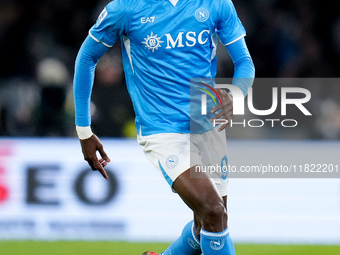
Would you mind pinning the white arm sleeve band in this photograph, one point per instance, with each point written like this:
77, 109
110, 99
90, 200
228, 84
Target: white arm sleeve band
84, 132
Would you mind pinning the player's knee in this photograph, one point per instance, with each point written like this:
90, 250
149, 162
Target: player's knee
214, 218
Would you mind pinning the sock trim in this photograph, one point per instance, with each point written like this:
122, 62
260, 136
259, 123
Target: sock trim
213, 234
193, 234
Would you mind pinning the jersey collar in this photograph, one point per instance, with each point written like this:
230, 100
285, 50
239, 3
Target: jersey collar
173, 2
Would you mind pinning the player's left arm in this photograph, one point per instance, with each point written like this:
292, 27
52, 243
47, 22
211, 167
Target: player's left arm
231, 34
244, 69
244, 73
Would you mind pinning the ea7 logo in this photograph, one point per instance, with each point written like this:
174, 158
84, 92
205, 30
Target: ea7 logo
147, 19
191, 38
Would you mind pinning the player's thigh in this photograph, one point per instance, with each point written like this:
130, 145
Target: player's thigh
174, 153
212, 147
198, 193
168, 152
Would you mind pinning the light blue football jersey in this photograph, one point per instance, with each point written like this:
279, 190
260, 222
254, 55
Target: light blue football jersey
165, 44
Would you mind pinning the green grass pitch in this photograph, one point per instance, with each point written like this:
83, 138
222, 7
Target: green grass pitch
127, 248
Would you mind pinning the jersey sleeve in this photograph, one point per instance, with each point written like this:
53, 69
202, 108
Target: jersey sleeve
111, 23
229, 26
244, 67
89, 54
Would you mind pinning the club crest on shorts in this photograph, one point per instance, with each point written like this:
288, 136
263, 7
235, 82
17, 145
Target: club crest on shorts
172, 161
201, 14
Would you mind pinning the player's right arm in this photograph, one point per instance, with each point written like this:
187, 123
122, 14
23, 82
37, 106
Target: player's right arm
87, 59
111, 24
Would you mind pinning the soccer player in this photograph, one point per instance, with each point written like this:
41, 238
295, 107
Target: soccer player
165, 44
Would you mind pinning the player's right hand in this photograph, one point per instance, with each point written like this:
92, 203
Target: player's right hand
90, 147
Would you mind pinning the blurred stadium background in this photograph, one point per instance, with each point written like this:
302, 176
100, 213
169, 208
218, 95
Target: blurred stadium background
47, 192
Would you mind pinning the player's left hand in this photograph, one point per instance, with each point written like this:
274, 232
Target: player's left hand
226, 108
